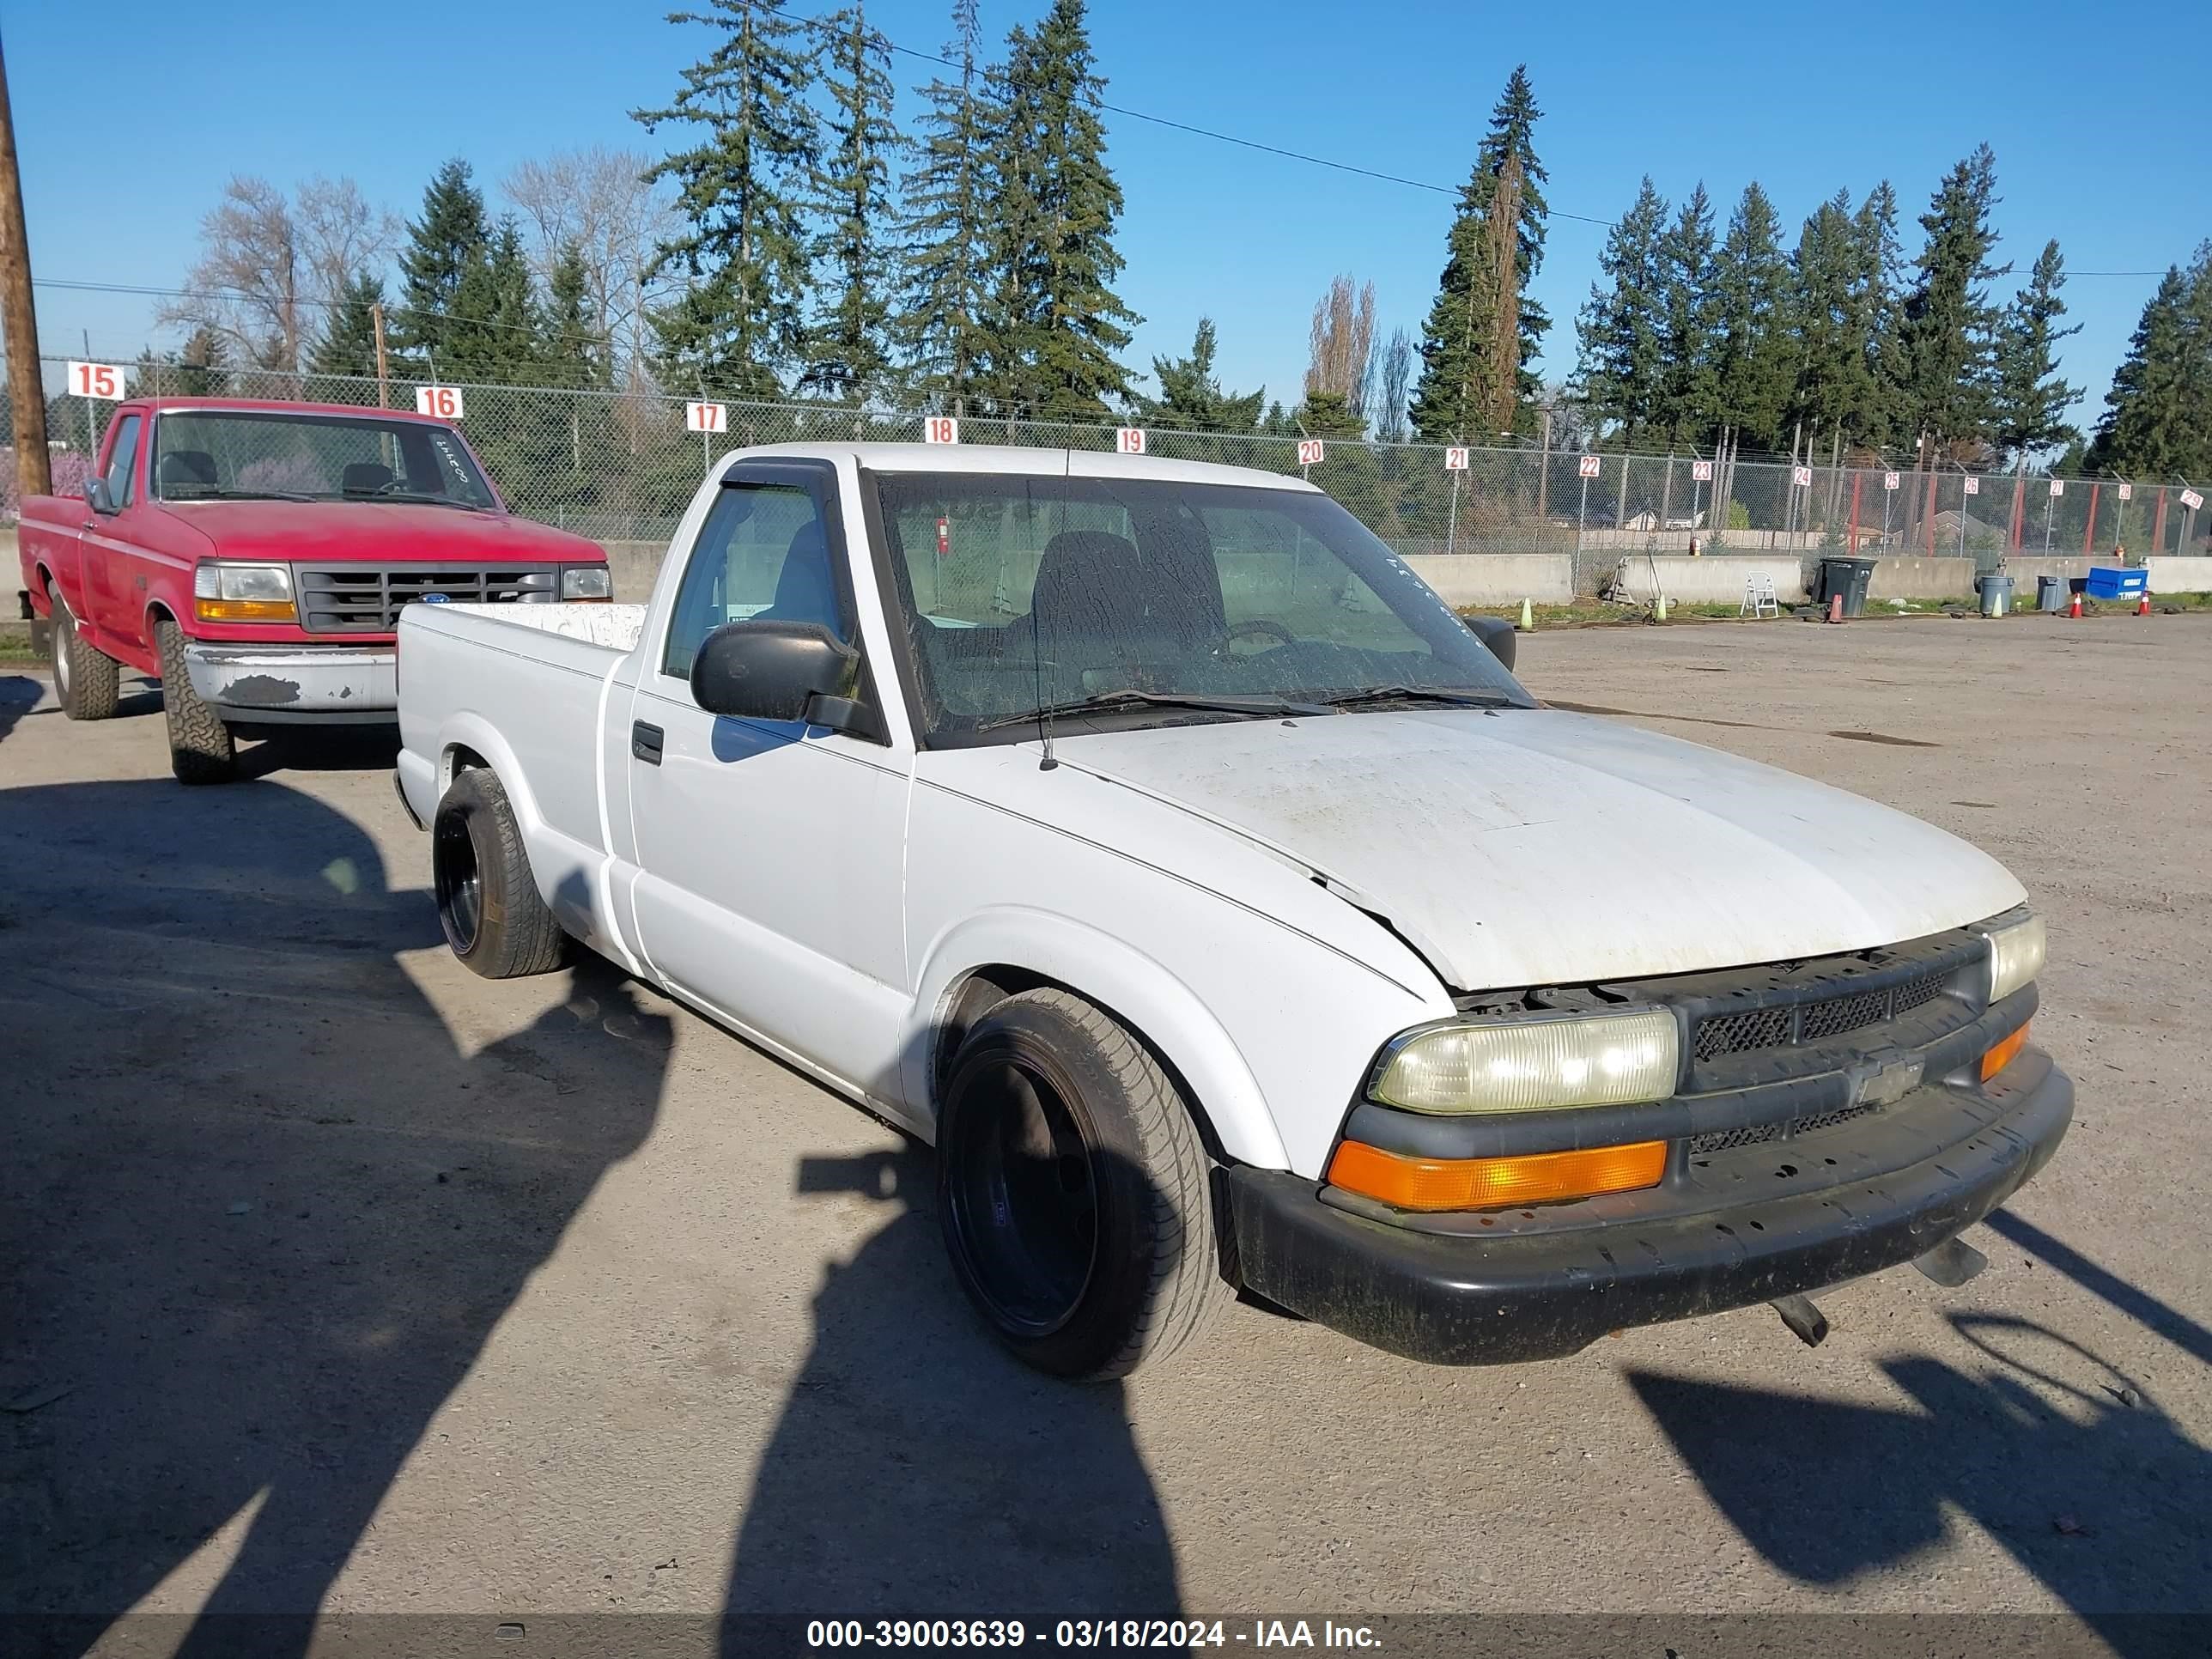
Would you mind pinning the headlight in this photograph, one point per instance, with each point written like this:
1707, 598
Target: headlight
1528, 1066
2016, 953
586, 581
243, 592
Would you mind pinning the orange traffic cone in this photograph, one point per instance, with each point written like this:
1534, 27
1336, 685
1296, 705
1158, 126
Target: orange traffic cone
2142, 605
1835, 607
2075, 610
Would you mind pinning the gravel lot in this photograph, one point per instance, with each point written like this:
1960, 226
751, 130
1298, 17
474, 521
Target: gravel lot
331, 1274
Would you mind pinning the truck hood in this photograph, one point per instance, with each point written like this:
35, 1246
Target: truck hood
346, 532
1536, 846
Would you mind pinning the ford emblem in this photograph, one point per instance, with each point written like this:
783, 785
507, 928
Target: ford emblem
437, 599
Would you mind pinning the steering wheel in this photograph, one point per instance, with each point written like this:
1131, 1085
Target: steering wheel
1257, 628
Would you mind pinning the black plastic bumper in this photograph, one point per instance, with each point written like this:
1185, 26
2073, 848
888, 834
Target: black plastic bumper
1463, 1300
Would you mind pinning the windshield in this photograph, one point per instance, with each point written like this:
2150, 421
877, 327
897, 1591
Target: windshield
203, 454
1144, 602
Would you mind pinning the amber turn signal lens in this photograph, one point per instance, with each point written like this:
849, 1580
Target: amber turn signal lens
244, 609
1485, 1183
2003, 1054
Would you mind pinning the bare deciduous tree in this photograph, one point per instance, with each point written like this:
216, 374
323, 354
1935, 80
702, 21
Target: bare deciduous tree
1342, 338
1389, 386
599, 202
269, 270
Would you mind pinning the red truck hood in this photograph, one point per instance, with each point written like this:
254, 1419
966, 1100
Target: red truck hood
342, 532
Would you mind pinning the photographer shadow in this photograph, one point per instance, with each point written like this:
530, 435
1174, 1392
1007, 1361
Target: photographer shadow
920, 1470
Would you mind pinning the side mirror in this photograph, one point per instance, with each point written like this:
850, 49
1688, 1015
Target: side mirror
1496, 633
781, 671
96, 496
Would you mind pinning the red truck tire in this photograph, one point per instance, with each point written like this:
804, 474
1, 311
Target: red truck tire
88, 682
201, 750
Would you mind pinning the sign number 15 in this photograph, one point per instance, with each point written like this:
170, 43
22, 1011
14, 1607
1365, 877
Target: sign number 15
96, 380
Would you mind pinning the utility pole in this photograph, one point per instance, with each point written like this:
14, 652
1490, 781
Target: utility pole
383, 369
27, 391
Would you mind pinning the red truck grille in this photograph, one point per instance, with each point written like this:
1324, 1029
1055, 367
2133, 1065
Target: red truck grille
367, 598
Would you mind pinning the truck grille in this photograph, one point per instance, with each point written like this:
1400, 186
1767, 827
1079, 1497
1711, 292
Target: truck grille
1816, 1019
367, 598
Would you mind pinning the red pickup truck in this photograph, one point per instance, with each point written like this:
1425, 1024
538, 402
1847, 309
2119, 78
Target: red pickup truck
254, 556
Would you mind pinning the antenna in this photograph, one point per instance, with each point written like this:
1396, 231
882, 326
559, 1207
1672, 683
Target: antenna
1036, 644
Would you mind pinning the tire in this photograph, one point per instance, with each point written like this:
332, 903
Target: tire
1073, 1190
88, 682
201, 748
488, 899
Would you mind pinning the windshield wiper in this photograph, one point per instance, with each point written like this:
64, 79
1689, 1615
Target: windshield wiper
218, 492
1130, 697
1375, 694
424, 497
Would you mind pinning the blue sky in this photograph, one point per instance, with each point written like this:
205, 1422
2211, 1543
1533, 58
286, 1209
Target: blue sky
127, 133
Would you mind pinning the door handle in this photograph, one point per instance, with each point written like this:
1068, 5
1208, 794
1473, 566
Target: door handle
645, 741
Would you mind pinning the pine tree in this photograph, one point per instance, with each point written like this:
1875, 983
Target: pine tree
944, 233
1620, 360
1055, 320
1483, 332
575, 350
442, 246
348, 345
2157, 422
1835, 387
1752, 364
2029, 400
1688, 396
849, 347
739, 323
1949, 326
1191, 397
1882, 306
494, 331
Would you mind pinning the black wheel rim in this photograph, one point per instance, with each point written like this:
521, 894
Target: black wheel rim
460, 884
1022, 1195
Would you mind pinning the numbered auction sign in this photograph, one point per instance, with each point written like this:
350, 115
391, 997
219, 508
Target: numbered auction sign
1129, 440
1889, 481
940, 429
1309, 452
2058, 486
2191, 500
1802, 477
441, 401
1701, 471
1455, 460
96, 381
705, 417
1588, 467
2127, 492
1974, 486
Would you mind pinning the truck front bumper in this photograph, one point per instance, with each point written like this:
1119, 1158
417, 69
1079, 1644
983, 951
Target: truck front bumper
1788, 1218
319, 683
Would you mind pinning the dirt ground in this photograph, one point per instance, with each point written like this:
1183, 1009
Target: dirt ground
330, 1275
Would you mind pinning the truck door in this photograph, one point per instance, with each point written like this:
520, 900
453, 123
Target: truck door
114, 601
770, 853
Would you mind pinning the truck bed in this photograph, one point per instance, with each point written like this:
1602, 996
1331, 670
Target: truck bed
615, 627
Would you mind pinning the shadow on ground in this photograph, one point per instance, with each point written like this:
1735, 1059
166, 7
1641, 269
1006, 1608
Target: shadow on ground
2072, 1467
258, 1213
918, 1470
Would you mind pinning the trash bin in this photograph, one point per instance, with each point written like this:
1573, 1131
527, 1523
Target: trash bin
2050, 593
1996, 594
1847, 577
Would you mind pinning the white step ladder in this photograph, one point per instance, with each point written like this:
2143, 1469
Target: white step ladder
1760, 599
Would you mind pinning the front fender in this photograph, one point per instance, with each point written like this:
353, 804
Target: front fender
1137, 990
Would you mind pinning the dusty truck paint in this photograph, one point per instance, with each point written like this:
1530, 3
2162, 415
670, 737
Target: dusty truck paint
1275, 889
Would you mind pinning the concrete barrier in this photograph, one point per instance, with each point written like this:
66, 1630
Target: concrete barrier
2182, 575
1715, 580
1498, 579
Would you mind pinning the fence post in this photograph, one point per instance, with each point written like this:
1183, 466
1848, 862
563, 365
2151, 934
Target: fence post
1930, 514
1857, 478
2158, 524
2089, 529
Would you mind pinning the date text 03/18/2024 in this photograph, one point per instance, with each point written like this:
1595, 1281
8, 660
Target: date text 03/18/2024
939, 1634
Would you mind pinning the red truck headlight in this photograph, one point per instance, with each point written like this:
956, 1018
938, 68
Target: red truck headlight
586, 581
243, 592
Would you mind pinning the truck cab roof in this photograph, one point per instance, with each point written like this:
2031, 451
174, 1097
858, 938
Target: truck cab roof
1024, 461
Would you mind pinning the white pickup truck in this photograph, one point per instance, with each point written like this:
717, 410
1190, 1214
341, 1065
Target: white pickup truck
1150, 840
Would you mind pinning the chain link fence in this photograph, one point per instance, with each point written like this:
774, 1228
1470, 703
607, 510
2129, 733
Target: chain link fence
619, 466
